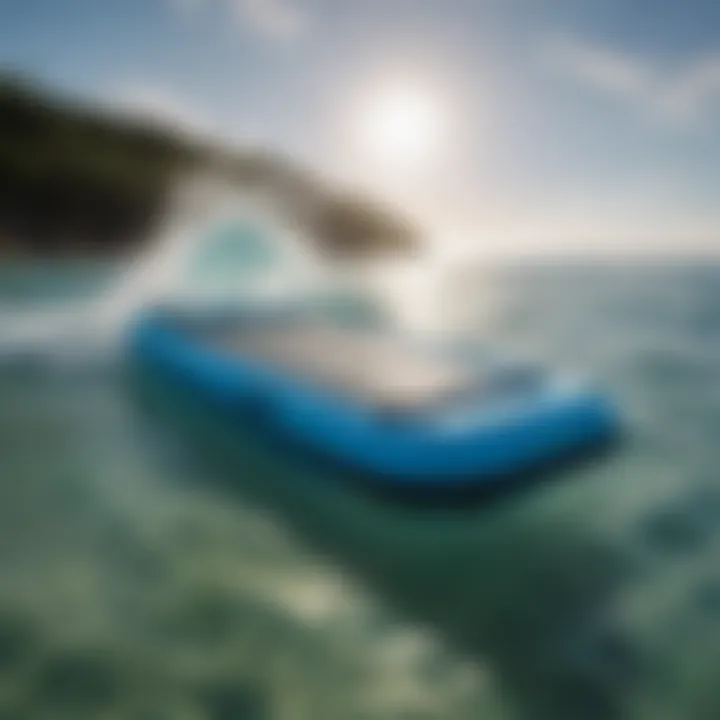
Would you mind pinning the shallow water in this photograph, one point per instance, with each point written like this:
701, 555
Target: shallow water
158, 563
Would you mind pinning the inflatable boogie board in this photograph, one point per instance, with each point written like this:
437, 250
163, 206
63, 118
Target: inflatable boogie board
371, 399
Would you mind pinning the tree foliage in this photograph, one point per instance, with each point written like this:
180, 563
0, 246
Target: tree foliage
75, 177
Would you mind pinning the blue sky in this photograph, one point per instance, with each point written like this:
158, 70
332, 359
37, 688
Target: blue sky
572, 126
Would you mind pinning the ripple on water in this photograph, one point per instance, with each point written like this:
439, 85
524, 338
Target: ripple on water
232, 700
707, 597
79, 681
18, 643
672, 530
608, 657
687, 525
207, 617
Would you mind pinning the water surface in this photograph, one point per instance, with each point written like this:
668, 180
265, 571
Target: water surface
158, 563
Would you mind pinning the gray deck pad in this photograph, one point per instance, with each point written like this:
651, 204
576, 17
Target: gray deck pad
371, 367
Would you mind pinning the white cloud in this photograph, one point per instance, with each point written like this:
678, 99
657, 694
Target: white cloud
276, 20
696, 92
613, 72
272, 19
684, 94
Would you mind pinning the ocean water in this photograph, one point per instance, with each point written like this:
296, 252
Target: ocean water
157, 563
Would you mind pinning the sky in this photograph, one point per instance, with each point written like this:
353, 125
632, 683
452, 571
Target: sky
502, 126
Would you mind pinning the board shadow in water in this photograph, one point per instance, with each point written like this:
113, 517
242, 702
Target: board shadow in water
517, 590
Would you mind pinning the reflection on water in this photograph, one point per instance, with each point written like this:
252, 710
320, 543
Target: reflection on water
159, 562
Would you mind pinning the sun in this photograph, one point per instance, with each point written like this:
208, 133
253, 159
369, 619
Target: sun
401, 124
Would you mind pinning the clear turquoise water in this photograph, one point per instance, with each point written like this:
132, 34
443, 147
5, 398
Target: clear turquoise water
156, 563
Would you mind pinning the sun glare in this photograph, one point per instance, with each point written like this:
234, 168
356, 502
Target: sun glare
401, 125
